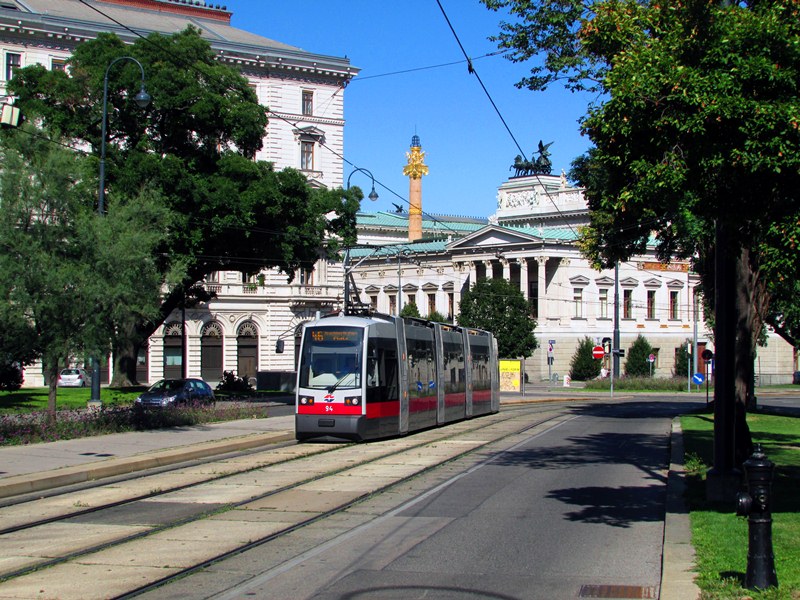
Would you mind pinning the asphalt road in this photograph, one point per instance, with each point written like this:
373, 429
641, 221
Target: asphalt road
571, 511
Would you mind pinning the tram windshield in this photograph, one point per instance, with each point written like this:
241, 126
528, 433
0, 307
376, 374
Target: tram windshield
331, 358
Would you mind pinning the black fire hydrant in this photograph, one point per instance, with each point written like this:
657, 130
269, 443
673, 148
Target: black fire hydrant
755, 504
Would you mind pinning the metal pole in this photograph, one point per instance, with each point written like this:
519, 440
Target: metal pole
615, 343
399, 286
142, 99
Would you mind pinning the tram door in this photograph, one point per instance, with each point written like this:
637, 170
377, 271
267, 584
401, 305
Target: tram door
403, 359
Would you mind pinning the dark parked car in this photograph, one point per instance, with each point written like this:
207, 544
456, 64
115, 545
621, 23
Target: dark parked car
171, 392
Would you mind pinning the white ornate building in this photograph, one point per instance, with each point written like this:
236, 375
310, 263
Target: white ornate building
530, 240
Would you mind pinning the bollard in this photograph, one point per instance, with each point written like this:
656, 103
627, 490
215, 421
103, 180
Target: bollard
755, 504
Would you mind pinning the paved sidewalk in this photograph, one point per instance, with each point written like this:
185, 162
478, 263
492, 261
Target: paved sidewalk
37, 467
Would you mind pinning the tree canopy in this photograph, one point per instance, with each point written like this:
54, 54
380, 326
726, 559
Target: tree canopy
696, 136
66, 273
498, 306
193, 147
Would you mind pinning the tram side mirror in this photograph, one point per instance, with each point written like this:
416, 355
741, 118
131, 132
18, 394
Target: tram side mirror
279, 347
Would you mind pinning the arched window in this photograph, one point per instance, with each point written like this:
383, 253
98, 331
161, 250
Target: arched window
211, 352
173, 350
247, 350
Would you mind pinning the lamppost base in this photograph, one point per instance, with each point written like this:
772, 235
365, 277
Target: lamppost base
94, 404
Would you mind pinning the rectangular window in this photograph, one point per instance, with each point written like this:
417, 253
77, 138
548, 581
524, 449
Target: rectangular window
577, 299
306, 276
392, 304
627, 304
450, 305
603, 303
373, 302
13, 61
308, 103
431, 303
306, 156
673, 305
651, 304
58, 64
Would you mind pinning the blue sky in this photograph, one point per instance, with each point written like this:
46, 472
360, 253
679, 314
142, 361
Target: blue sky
468, 149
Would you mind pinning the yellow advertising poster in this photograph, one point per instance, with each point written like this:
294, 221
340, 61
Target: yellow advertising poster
510, 375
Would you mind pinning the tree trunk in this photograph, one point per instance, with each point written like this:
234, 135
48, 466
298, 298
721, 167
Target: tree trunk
52, 368
126, 353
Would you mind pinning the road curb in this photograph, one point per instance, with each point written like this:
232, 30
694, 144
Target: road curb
36, 482
677, 562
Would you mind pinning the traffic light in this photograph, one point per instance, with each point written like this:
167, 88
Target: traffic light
607, 345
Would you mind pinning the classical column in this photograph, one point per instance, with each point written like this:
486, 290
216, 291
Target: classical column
489, 269
473, 273
542, 297
506, 268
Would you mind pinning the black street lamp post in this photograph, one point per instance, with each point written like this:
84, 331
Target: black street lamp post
142, 99
373, 195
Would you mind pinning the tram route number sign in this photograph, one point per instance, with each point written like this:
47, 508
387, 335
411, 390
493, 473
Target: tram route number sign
598, 352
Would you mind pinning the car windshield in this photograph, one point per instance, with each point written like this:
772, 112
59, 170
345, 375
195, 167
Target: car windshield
168, 385
331, 358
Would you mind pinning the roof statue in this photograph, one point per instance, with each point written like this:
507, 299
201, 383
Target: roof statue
541, 166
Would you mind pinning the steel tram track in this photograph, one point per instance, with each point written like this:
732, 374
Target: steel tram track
449, 433
322, 516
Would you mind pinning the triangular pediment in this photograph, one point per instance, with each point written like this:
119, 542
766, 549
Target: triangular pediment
579, 281
492, 235
629, 282
653, 282
604, 281
675, 283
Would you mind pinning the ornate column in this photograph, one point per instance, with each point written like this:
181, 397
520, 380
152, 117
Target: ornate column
523, 276
473, 273
506, 268
542, 296
489, 269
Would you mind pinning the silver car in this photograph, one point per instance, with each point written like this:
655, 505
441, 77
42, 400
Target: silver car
74, 378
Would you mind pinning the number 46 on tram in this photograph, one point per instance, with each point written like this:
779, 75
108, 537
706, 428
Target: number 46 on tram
367, 377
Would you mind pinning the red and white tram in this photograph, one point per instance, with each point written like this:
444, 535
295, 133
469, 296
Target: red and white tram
366, 377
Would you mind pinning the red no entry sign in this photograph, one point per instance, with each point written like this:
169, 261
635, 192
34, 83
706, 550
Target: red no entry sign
598, 352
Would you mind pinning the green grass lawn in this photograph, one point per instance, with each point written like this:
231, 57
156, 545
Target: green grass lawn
33, 399
719, 536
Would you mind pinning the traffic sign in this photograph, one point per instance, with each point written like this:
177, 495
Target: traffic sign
707, 354
598, 352
651, 358
698, 378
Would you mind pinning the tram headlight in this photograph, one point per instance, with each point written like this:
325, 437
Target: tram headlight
306, 400
352, 401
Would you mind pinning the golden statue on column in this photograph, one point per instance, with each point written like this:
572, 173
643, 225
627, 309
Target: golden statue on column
415, 169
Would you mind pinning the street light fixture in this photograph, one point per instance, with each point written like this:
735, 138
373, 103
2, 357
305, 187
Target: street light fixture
373, 195
142, 100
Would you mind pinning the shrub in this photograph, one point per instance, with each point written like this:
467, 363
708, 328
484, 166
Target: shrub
233, 384
682, 360
409, 310
42, 426
584, 366
10, 376
637, 364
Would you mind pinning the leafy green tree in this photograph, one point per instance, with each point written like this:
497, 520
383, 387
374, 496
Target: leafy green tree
193, 147
409, 310
683, 360
583, 365
438, 317
497, 306
697, 141
67, 273
637, 363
